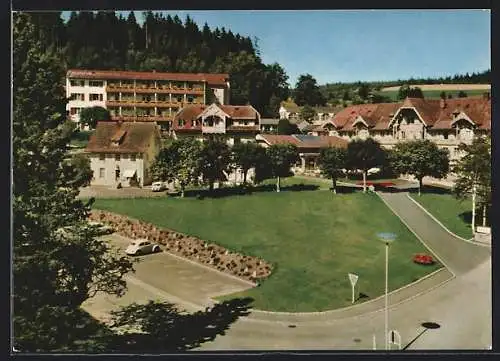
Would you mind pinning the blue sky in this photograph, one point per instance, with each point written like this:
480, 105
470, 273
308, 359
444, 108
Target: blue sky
365, 45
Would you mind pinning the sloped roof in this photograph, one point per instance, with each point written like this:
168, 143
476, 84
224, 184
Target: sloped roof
305, 141
436, 113
212, 79
129, 137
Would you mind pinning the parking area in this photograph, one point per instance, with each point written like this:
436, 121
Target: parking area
165, 277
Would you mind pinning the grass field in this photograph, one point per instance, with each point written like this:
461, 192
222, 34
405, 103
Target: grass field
312, 237
434, 94
81, 138
454, 214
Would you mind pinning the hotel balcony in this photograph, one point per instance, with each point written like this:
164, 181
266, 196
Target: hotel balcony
140, 103
127, 88
143, 118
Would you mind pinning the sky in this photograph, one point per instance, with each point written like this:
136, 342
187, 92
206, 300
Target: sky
360, 45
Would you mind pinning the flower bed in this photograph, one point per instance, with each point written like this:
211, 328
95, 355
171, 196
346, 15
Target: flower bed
210, 254
421, 258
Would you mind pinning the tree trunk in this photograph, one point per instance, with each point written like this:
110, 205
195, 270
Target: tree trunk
278, 184
364, 181
182, 190
210, 186
245, 176
473, 209
420, 184
484, 215
334, 181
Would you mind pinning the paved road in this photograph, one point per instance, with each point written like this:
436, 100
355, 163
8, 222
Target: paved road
461, 306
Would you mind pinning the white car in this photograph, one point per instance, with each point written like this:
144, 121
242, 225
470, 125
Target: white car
141, 246
158, 186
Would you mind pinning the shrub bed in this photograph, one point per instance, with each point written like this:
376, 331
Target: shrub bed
210, 254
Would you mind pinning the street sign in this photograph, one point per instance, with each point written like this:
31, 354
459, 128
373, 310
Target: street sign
394, 339
353, 278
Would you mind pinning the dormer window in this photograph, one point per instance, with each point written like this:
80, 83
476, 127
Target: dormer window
118, 138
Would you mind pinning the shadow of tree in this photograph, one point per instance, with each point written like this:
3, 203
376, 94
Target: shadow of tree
160, 327
247, 190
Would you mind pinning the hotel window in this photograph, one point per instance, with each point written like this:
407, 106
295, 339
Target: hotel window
101, 172
77, 82
77, 96
95, 97
74, 111
179, 98
132, 157
98, 83
190, 99
181, 122
117, 156
102, 156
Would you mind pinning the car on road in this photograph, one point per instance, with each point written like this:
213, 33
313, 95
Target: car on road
141, 246
158, 186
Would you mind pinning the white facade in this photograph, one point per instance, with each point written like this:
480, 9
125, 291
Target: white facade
84, 93
104, 167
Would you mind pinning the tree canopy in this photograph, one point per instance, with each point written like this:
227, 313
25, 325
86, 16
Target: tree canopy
363, 155
410, 92
307, 92
420, 158
287, 128
281, 158
91, 115
332, 161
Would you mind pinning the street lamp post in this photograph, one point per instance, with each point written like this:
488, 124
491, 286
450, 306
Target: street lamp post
387, 238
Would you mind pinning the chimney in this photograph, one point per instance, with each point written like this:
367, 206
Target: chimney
442, 103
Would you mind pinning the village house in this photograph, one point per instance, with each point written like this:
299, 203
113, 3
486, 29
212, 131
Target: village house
447, 122
141, 96
235, 123
269, 125
309, 147
121, 153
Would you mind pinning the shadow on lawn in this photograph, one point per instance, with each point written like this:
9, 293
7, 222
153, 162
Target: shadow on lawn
248, 190
432, 190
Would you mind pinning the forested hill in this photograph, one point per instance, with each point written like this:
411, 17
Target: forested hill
105, 40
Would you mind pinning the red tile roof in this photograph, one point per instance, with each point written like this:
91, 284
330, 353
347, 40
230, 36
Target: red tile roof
211, 79
378, 116
305, 141
133, 137
191, 112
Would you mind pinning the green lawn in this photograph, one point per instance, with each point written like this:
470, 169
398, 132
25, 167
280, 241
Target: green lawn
81, 138
448, 210
434, 94
313, 239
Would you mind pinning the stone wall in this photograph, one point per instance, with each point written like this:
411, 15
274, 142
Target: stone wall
210, 254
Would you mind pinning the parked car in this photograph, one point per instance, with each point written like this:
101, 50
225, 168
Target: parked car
104, 229
158, 186
142, 246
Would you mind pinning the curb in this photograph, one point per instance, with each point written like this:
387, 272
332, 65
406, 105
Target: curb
440, 284
360, 304
444, 227
416, 235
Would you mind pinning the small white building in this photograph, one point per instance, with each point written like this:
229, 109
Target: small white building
122, 153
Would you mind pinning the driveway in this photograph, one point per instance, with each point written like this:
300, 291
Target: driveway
112, 192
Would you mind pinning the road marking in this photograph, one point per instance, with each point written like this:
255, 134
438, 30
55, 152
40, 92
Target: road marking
163, 294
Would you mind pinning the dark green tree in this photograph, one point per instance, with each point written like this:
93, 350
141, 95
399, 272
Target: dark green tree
332, 161
420, 158
91, 115
307, 113
308, 92
214, 161
246, 156
363, 155
410, 92
281, 158
462, 94
54, 271
287, 128
473, 172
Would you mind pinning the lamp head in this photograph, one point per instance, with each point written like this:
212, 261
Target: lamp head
386, 237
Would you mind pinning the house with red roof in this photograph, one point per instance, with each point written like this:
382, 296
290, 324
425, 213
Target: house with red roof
235, 123
309, 147
447, 122
122, 153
